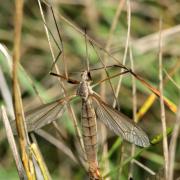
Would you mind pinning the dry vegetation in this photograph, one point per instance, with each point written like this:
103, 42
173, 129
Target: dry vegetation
143, 35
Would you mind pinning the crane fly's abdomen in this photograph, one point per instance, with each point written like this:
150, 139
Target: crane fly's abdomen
89, 131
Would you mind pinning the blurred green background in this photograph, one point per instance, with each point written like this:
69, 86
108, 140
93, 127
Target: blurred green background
96, 17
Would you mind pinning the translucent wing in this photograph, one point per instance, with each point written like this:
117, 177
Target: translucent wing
120, 124
43, 115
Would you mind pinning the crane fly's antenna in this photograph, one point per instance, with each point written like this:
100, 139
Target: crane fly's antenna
69, 80
87, 61
93, 69
116, 75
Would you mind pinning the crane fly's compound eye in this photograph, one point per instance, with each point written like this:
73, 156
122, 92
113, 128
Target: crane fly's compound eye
89, 76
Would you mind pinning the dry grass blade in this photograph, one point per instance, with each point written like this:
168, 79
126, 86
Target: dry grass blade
163, 118
173, 144
134, 97
12, 144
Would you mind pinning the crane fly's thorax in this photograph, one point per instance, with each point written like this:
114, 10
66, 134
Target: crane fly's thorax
84, 88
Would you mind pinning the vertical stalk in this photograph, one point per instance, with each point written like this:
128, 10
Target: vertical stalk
19, 113
163, 118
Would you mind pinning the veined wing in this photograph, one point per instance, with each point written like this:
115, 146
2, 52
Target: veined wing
119, 123
44, 114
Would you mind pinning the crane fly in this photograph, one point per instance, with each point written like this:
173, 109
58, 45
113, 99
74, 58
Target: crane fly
93, 107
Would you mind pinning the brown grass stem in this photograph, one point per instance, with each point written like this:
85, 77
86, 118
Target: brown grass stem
18, 108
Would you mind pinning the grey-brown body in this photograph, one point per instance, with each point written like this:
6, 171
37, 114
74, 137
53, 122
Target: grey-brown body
89, 128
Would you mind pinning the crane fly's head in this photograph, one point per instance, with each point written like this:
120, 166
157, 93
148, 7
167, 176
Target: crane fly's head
86, 76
